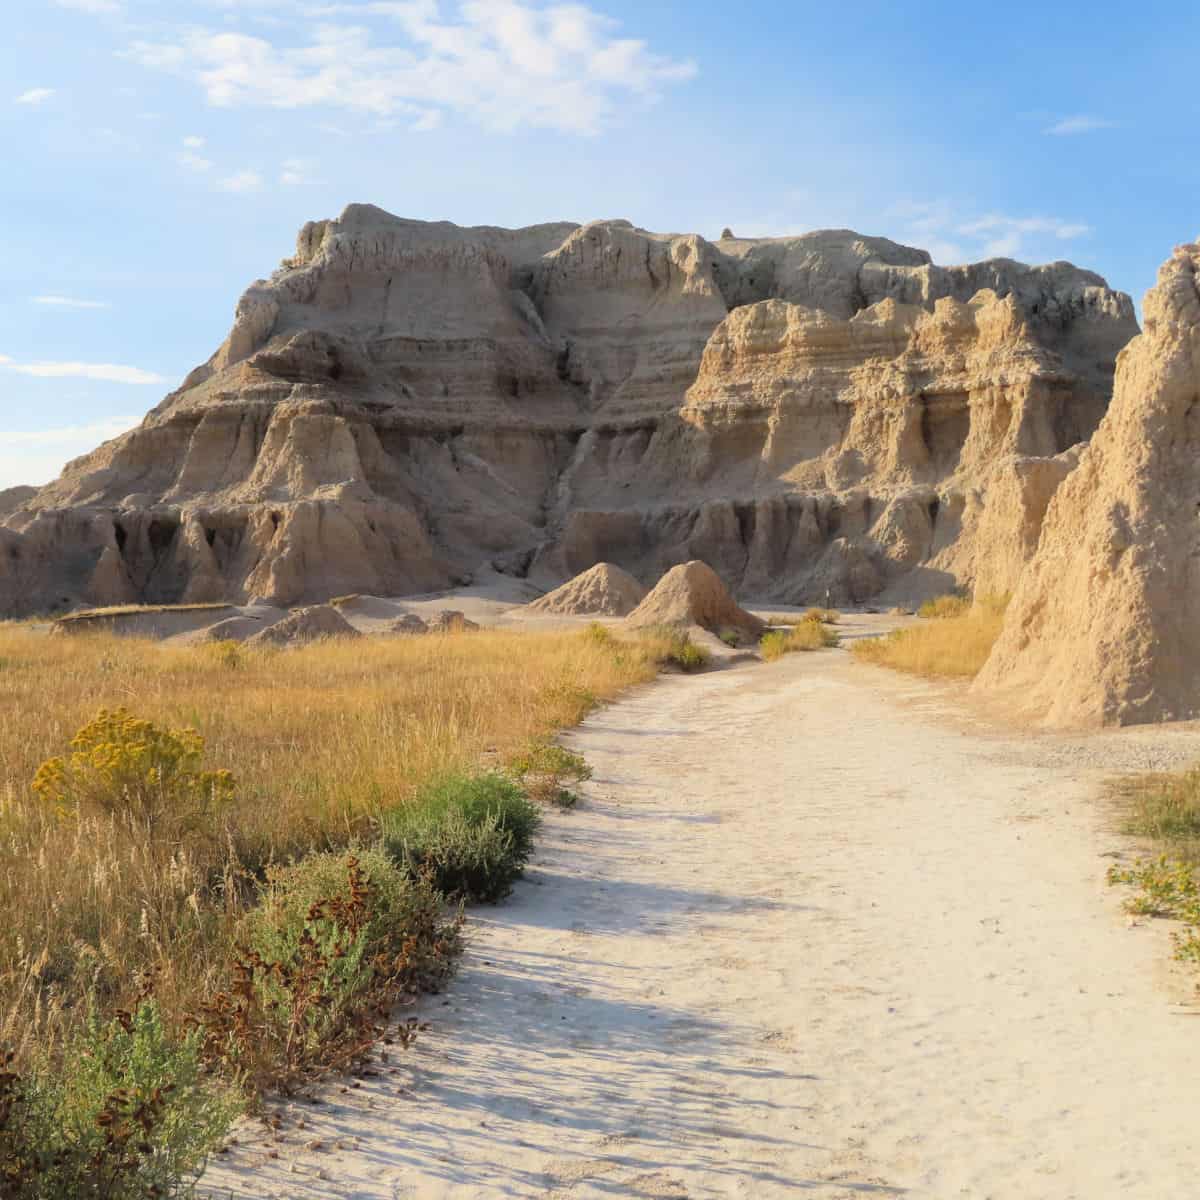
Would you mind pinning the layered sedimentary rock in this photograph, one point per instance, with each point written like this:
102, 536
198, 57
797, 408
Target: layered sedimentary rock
402, 404
1105, 625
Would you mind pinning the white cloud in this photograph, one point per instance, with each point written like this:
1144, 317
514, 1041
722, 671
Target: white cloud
1068, 126
35, 96
106, 372
37, 456
69, 302
296, 172
242, 182
503, 63
194, 143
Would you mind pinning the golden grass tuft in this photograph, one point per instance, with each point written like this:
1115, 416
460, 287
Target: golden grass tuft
806, 635
320, 740
941, 608
953, 645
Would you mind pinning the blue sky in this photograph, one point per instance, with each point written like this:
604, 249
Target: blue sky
161, 155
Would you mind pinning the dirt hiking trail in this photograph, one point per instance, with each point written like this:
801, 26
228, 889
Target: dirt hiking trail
812, 933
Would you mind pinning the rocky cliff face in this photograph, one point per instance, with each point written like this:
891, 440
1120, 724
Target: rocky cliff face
1105, 626
402, 403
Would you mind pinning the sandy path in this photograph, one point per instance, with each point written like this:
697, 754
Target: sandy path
808, 936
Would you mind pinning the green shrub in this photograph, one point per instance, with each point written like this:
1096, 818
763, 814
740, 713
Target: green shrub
127, 1114
472, 833
335, 941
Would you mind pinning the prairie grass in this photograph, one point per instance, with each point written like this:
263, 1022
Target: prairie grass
319, 742
952, 643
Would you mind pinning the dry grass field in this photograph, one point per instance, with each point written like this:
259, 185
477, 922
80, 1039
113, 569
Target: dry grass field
162, 920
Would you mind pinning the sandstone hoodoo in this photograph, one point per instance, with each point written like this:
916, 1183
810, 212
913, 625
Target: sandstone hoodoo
602, 590
1105, 625
694, 594
306, 625
403, 405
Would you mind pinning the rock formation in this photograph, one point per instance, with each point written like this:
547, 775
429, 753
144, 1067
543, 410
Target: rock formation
1105, 625
694, 594
302, 625
402, 405
602, 590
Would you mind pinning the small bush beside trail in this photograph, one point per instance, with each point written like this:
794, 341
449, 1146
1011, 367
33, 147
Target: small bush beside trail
473, 834
335, 942
129, 1113
544, 768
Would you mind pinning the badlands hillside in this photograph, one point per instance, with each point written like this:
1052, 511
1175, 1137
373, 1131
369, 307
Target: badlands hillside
828, 417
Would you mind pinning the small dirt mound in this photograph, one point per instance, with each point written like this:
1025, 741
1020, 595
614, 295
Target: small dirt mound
694, 594
602, 590
306, 625
408, 625
449, 620
235, 629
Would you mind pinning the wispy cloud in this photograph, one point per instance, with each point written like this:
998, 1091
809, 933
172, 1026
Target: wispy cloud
242, 182
35, 96
952, 238
37, 456
69, 302
1068, 126
105, 372
193, 142
503, 63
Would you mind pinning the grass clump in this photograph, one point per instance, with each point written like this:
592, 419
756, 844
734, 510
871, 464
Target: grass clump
941, 608
472, 835
806, 635
544, 768
1164, 807
827, 616
953, 645
129, 1113
670, 646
